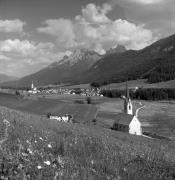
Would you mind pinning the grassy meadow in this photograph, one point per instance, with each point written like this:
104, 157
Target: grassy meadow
131, 84
157, 116
58, 105
38, 148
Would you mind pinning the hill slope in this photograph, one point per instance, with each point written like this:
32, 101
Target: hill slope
5, 78
65, 70
42, 149
133, 64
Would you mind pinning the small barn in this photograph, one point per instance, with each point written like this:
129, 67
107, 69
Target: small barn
127, 123
63, 118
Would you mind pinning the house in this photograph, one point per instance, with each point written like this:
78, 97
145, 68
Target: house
127, 123
135, 126
64, 118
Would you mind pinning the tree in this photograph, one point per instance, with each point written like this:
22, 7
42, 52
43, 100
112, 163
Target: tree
95, 85
88, 99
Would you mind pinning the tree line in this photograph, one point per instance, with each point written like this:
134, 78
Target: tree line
143, 94
163, 72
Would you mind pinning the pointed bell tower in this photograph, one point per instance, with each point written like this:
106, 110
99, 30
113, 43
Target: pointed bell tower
127, 102
32, 86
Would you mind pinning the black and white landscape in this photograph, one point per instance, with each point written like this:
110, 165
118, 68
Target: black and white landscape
87, 89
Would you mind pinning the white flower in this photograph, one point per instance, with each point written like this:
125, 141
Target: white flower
29, 150
27, 142
49, 146
41, 139
92, 162
47, 162
39, 167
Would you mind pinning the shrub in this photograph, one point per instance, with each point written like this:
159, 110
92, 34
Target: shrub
88, 99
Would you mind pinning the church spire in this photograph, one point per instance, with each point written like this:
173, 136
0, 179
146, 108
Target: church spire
127, 90
32, 86
127, 101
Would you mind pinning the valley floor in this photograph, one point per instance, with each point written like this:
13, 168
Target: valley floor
157, 116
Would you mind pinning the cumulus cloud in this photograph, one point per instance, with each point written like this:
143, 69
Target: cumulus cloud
157, 15
93, 29
24, 47
62, 28
9, 26
95, 14
16, 55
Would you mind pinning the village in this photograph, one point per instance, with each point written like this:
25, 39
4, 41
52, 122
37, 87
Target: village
33, 90
126, 120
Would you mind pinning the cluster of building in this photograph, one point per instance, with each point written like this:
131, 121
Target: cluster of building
65, 91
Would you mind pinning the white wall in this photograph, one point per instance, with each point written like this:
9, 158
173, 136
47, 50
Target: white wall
135, 126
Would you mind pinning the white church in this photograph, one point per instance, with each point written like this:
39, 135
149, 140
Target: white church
33, 89
127, 121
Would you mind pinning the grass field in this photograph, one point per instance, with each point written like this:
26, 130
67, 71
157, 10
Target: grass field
142, 84
40, 149
157, 116
59, 106
131, 84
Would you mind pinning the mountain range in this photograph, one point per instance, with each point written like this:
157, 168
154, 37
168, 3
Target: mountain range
117, 65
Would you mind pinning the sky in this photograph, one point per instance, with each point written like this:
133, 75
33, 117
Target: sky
36, 33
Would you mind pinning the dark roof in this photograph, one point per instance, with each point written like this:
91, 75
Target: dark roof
124, 119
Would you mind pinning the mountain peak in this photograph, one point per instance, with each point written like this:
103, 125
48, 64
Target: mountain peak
119, 49
80, 55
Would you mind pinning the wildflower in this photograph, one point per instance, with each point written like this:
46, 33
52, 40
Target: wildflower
27, 141
39, 167
124, 169
41, 139
49, 146
92, 162
47, 163
76, 139
60, 161
24, 154
29, 150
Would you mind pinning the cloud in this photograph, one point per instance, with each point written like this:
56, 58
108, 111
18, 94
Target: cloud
157, 15
62, 28
93, 29
146, 1
23, 57
95, 14
9, 26
16, 46
3, 57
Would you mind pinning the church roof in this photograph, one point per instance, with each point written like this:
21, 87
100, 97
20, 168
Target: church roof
123, 118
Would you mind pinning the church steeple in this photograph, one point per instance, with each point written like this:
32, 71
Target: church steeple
127, 102
32, 86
